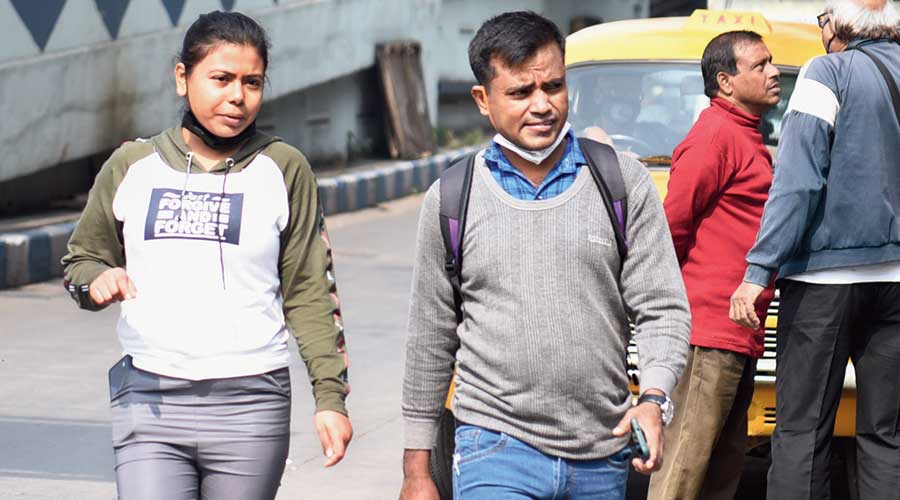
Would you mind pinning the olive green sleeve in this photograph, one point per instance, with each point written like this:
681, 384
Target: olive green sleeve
308, 286
96, 244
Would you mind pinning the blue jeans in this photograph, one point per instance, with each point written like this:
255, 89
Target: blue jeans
490, 465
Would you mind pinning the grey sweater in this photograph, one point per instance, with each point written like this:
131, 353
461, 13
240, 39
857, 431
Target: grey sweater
540, 354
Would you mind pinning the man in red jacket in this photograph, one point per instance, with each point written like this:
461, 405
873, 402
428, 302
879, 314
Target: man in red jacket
718, 184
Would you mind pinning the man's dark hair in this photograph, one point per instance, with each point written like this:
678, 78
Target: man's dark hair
719, 56
513, 38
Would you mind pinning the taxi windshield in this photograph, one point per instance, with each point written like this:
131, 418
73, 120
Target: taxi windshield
648, 108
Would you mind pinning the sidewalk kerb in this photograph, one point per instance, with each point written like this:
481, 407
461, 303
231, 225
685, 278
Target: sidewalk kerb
33, 255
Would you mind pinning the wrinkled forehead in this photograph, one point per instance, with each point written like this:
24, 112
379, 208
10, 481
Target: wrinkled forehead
547, 62
751, 51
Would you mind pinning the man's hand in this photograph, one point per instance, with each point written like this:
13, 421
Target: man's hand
335, 432
649, 415
112, 285
417, 482
743, 305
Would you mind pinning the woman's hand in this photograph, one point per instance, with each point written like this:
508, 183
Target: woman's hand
112, 285
334, 432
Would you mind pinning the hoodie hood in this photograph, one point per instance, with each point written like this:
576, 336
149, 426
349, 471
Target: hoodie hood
171, 146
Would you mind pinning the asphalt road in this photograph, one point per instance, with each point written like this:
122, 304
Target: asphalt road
54, 416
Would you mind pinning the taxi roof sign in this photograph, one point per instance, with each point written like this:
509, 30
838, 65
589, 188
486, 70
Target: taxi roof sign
729, 20
685, 38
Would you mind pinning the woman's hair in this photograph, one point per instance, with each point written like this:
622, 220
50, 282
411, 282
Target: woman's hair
218, 27
852, 20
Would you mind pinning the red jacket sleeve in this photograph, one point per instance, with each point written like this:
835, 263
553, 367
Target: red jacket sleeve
698, 175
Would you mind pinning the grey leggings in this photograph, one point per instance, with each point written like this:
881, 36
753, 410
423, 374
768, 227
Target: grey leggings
220, 439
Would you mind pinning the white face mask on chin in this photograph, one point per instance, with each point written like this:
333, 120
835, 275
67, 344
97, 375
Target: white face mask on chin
538, 156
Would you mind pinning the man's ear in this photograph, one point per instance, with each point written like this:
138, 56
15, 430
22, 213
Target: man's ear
479, 93
180, 80
726, 87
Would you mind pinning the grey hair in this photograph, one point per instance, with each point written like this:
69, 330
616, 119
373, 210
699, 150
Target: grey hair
851, 20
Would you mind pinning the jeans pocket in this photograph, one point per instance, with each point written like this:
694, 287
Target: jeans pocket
620, 459
475, 443
466, 439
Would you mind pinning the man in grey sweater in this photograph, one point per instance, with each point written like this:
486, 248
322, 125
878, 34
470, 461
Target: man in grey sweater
542, 393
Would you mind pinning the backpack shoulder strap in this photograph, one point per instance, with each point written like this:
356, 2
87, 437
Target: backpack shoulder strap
888, 79
604, 165
456, 182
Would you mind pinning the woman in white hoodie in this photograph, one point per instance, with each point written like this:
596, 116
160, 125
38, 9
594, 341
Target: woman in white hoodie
211, 236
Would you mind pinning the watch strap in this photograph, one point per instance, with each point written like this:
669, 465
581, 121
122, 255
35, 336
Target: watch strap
653, 398
665, 404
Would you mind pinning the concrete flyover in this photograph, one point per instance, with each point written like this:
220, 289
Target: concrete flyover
79, 77
85, 87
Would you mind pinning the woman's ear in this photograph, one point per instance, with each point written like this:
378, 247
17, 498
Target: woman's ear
181, 80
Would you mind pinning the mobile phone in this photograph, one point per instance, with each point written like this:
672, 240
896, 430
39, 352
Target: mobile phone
638, 441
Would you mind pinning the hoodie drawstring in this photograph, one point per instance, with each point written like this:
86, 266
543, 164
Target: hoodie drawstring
229, 162
190, 158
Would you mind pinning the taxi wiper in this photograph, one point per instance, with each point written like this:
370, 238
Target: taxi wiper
656, 160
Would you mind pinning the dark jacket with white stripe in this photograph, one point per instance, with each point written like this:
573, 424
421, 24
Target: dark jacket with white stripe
835, 197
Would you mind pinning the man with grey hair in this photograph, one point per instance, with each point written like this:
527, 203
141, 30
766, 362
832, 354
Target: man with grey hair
831, 230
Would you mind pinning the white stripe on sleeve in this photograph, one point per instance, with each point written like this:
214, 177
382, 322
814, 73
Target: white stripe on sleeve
814, 98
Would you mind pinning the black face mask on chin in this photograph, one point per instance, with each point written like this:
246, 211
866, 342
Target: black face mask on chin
189, 121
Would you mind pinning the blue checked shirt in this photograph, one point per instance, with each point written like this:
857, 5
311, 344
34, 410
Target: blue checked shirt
514, 182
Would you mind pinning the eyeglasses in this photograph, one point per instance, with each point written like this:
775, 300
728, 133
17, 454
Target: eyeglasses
823, 19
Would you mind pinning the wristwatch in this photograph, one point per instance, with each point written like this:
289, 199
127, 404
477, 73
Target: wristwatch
665, 404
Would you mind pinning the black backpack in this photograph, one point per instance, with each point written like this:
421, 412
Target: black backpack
456, 182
